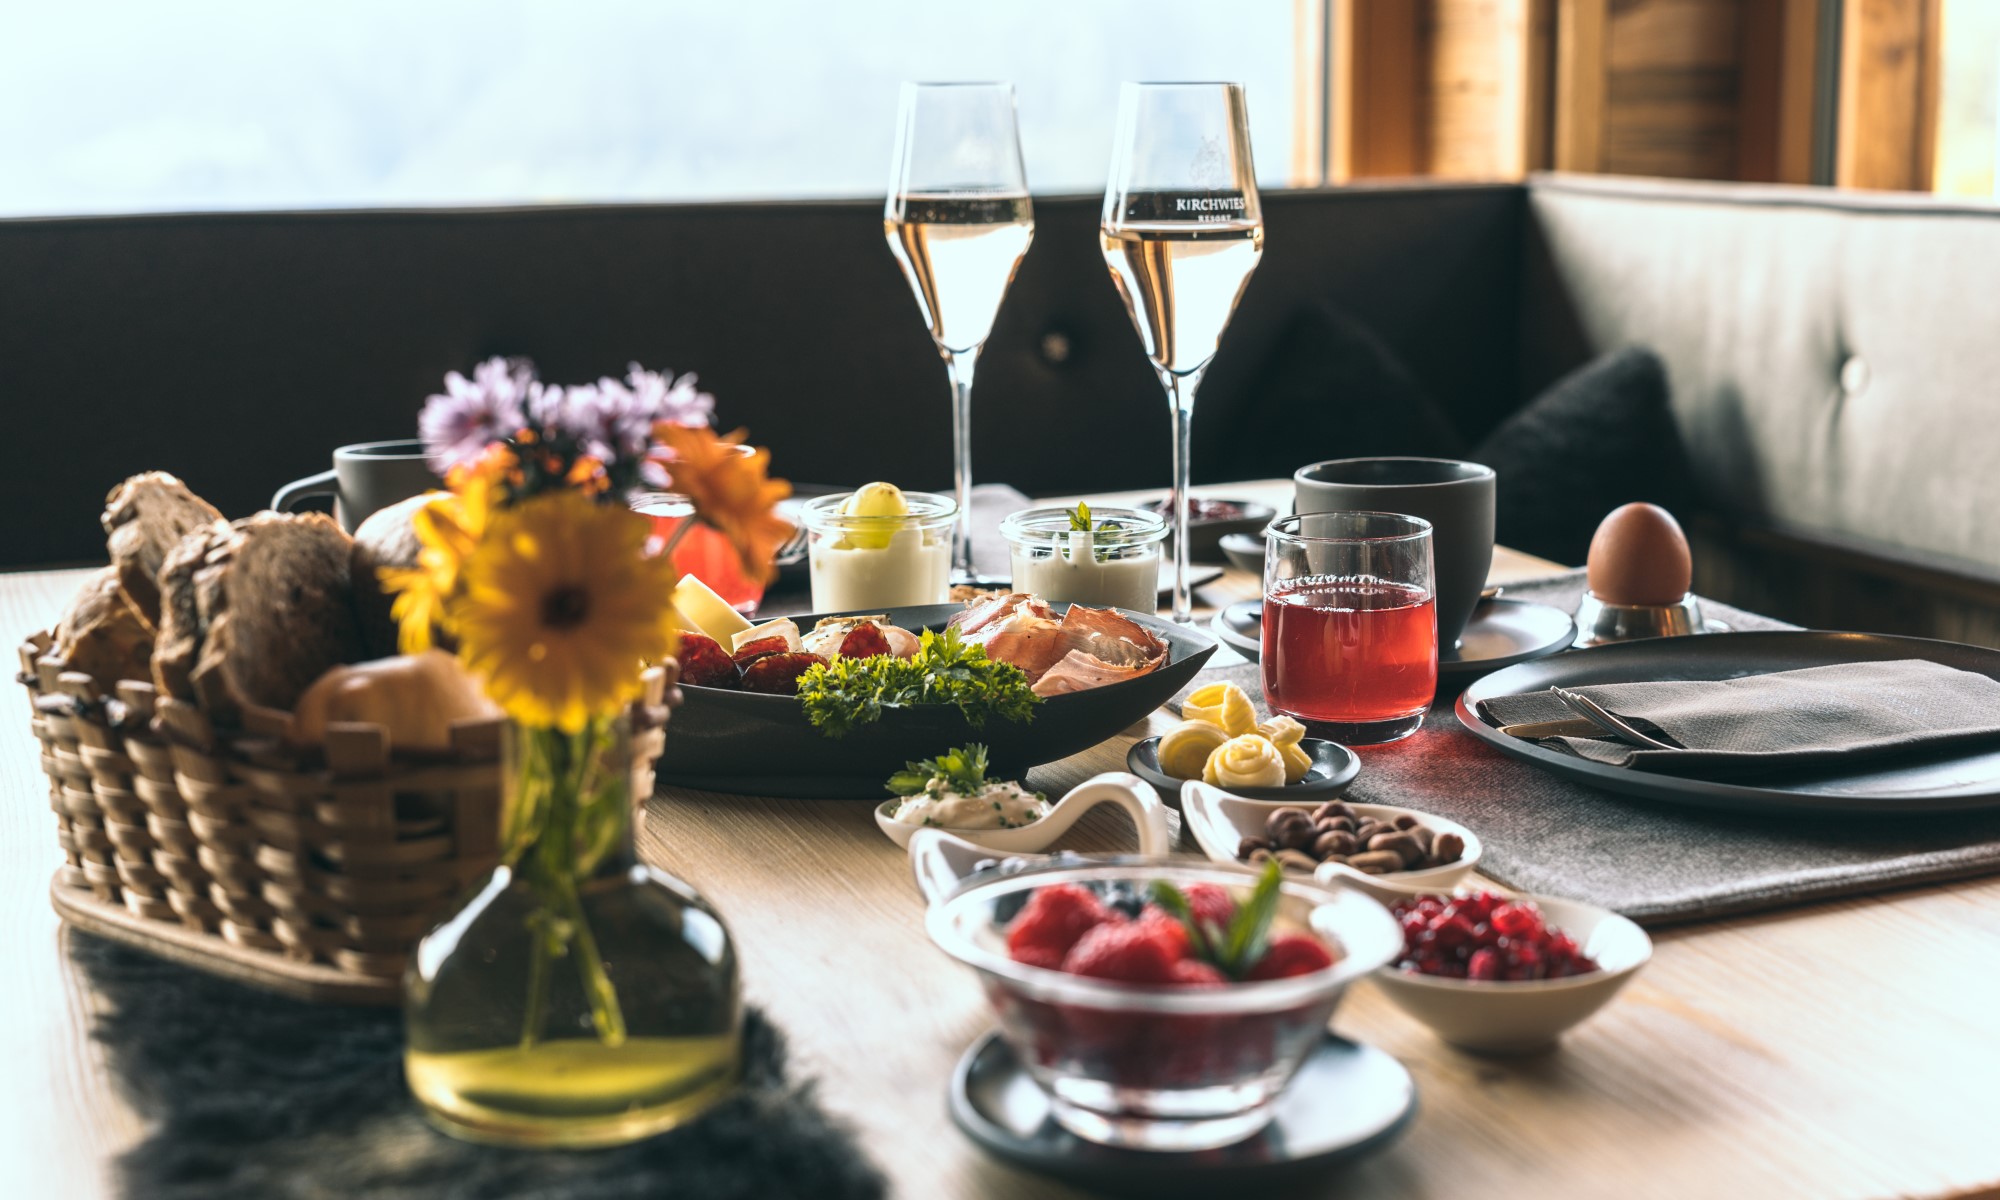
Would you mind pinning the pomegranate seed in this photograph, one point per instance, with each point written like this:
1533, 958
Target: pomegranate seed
1485, 936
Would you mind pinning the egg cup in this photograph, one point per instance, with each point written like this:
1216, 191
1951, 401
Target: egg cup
1599, 622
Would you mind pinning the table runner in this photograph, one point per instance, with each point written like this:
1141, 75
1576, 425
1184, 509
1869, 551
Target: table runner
1653, 862
261, 1097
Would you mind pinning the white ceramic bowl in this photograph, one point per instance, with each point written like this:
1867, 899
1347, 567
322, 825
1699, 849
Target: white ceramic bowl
1497, 1017
1220, 821
1128, 792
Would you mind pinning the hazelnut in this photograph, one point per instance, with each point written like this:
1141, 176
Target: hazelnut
1447, 848
1293, 860
1333, 808
1376, 862
1401, 844
1250, 845
1335, 841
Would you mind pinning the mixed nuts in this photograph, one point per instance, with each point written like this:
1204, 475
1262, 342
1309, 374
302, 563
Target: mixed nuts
1301, 840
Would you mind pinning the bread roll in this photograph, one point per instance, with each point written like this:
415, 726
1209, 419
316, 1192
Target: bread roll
416, 699
179, 645
385, 539
103, 636
146, 517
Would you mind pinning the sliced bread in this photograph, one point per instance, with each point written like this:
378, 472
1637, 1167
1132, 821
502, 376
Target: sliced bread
275, 606
146, 517
103, 636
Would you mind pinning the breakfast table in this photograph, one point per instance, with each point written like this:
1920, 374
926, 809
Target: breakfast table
1840, 1049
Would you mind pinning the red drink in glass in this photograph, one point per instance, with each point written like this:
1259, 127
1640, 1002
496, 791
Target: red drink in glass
702, 551
1350, 652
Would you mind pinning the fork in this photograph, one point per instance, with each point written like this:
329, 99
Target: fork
1611, 723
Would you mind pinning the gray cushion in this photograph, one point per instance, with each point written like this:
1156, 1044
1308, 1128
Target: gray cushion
1833, 356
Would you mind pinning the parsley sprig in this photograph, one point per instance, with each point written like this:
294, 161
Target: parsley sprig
847, 693
962, 770
1234, 950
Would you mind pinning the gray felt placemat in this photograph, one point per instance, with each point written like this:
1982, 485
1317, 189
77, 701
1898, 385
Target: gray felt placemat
1655, 863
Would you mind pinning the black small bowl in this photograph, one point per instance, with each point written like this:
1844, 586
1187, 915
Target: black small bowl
1334, 767
1245, 551
747, 743
1205, 533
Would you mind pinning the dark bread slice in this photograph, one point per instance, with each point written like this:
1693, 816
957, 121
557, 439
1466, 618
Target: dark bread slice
276, 607
385, 539
103, 636
179, 644
147, 516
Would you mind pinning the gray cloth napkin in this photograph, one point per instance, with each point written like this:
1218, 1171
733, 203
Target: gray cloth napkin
1788, 720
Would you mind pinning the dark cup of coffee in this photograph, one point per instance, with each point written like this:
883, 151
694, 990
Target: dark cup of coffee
366, 477
1455, 497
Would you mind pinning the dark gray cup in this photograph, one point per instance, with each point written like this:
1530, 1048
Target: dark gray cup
1455, 497
366, 477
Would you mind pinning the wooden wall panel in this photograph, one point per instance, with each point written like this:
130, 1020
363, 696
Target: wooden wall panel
1888, 94
1673, 73
1484, 97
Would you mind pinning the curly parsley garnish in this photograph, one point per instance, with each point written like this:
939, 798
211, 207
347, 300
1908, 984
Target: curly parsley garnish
850, 692
962, 771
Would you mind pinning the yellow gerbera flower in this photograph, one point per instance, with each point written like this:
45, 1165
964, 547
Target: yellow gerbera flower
448, 528
559, 608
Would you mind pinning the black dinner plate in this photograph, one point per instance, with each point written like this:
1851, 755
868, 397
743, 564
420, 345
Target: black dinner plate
1947, 781
1348, 1100
751, 744
1501, 633
1334, 767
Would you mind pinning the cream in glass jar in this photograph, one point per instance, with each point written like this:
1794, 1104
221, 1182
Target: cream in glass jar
1107, 558
879, 547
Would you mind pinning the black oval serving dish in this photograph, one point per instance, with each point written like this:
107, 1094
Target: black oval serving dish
751, 744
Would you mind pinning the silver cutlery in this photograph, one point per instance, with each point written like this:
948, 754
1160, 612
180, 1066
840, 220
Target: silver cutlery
1608, 721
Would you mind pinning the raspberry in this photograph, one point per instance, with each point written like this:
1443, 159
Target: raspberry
1212, 904
1169, 927
1134, 952
1193, 972
1056, 916
1291, 954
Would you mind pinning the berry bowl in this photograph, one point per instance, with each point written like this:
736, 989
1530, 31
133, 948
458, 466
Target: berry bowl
1507, 1012
1175, 1064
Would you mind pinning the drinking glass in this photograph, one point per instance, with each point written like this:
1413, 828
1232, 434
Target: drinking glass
1182, 230
698, 549
1350, 623
959, 219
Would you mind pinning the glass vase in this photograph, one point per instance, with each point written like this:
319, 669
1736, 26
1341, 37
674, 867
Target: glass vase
576, 997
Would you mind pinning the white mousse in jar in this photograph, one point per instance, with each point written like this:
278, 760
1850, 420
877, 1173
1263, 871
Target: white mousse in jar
1108, 558
879, 547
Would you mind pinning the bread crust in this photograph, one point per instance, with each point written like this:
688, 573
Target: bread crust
179, 644
146, 517
385, 539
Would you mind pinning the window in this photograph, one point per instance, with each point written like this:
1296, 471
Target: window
133, 105
1968, 97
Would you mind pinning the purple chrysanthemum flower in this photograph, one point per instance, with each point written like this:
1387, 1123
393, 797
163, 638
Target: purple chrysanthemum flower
579, 412
645, 397
471, 414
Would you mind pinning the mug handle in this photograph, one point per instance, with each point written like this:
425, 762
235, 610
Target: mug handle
286, 498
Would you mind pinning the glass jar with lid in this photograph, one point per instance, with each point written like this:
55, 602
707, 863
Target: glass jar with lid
861, 562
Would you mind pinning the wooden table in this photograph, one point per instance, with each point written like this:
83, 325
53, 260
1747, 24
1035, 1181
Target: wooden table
1847, 1049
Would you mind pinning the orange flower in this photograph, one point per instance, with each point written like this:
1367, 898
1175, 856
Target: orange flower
730, 491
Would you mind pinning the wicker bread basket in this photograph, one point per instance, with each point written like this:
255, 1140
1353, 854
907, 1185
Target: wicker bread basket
303, 871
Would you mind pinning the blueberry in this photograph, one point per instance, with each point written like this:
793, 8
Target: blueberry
1123, 898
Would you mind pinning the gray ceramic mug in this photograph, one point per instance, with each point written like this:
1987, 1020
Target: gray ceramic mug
1455, 497
366, 477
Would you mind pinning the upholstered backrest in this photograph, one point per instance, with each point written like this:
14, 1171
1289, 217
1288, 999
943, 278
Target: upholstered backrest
1835, 356
237, 349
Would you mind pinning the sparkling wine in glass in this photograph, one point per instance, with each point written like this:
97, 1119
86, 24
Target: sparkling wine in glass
959, 219
1182, 231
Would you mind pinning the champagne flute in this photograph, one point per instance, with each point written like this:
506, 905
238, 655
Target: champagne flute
959, 219
1182, 231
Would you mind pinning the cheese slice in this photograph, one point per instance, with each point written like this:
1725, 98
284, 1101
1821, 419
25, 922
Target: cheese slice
699, 610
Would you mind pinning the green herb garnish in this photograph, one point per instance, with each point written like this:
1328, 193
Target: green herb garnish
1079, 522
851, 692
962, 771
1234, 950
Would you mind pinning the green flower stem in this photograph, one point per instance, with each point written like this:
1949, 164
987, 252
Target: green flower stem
562, 820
